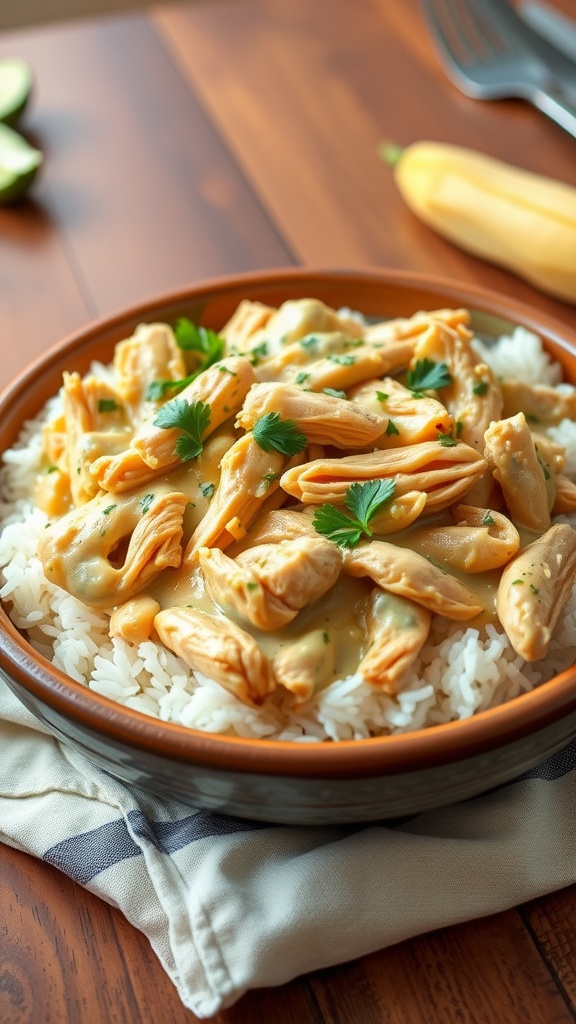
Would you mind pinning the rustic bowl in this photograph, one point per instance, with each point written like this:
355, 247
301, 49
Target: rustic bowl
351, 781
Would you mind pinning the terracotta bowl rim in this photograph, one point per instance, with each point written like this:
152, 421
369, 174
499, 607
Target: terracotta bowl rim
58, 695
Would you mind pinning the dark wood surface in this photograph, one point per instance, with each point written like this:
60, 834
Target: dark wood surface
185, 143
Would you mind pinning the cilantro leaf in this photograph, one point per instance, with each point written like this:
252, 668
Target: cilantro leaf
364, 501
446, 440
273, 433
428, 376
192, 418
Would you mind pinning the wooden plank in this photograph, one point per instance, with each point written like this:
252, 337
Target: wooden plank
136, 180
552, 921
335, 87
479, 972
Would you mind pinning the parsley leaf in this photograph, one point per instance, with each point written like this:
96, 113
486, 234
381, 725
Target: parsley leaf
480, 388
271, 432
428, 376
189, 338
446, 440
364, 501
391, 429
192, 418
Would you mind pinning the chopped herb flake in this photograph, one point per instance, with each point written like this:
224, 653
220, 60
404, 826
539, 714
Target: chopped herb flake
447, 441
488, 519
344, 360
335, 393
382, 396
391, 429
207, 490
107, 405
145, 503
106, 511
480, 388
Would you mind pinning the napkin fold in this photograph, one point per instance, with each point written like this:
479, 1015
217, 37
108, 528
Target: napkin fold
230, 905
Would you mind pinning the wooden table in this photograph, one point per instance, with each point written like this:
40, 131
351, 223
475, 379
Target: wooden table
186, 143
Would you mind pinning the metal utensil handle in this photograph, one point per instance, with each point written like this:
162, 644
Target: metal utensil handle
557, 109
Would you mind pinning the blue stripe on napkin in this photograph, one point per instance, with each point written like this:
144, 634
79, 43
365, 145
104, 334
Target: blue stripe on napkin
84, 856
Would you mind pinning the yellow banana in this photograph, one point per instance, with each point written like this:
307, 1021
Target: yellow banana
509, 216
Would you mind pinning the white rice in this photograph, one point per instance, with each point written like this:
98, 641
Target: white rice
460, 670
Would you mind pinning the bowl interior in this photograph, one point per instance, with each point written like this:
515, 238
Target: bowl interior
375, 294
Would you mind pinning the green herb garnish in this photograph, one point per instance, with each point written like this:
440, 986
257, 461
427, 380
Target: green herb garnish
488, 519
364, 501
207, 490
480, 388
192, 418
391, 429
107, 405
382, 396
106, 511
273, 433
446, 440
344, 360
145, 503
189, 338
335, 393
428, 376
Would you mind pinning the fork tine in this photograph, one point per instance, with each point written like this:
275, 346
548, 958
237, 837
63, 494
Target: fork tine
496, 20
448, 32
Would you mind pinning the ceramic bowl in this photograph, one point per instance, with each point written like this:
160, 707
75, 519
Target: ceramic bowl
351, 781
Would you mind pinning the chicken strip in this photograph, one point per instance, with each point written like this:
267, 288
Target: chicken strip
269, 584
527, 485
474, 397
397, 629
219, 649
322, 418
534, 589
89, 431
540, 403
133, 621
480, 540
306, 665
443, 473
409, 419
410, 575
104, 553
151, 354
248, 479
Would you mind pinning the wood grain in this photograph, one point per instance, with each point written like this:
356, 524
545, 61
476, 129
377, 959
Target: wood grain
138, 192
336, 86
213, 137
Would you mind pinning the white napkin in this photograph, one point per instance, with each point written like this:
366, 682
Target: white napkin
230, 905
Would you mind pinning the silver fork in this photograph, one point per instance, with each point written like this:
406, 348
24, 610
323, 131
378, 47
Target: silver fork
489, 54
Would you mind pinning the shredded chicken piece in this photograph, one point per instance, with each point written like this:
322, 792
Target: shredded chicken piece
443, 473
52, 491
223, 386
150, 354
540, 403
248, 479
481, 539
474, 397
219, 649
306, 665
89, 432
527, 486
409, 419
410, 575
565, 497
397, 630
534, 590
134, 620
104, 553
323, 419
269, 584
280, 524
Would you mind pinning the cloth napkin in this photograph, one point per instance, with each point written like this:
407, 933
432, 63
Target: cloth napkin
230, 905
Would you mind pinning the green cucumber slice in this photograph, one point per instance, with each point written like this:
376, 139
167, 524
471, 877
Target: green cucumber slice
19, 163
16, 82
